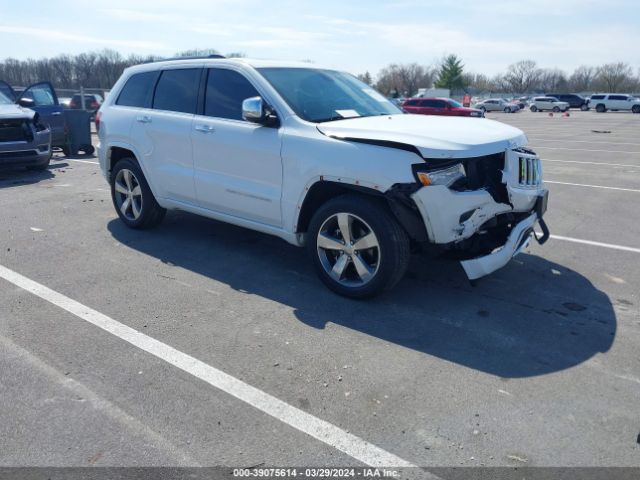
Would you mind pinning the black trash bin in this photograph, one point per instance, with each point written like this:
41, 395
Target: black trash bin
78, 127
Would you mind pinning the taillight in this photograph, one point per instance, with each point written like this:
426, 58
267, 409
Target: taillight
73, 104
95, 105
97, 120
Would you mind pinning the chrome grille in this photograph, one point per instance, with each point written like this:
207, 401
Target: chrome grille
529, 172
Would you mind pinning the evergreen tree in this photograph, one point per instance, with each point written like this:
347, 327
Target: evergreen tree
450, 73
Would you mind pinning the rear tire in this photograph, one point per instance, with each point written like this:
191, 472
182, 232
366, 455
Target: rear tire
484, 110
600, 108
584, 107
635, 109
343, 267
132, 198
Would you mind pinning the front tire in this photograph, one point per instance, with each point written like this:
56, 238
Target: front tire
533, 108
132, 198
584, 107
357, 247
556, 109
635, 109
600, 108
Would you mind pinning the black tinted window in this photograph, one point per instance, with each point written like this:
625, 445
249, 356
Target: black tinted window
177, 90
597, 97
617, 97
226, 90
136, 90
412, 103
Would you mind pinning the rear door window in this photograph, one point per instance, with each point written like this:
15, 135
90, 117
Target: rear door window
177, 90
136, 92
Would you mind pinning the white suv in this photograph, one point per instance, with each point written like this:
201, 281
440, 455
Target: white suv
320, 159
614, 101
540, 104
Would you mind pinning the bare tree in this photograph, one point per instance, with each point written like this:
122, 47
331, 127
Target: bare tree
553, 80
614, 77
480, 82
581, 80
523, 76
404, 80
365, 78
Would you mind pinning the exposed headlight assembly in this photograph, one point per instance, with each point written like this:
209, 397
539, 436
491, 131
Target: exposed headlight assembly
445, 176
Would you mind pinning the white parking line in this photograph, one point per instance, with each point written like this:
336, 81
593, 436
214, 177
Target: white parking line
585, 150
80, 161
565, 140
321, 430
594, 186
595, 244
604, 164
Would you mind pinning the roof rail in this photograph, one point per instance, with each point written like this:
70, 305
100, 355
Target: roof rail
213, 55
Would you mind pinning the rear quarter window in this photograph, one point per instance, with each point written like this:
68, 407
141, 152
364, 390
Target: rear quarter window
136, 92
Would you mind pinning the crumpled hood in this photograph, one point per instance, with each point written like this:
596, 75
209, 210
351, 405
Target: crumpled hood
433, 136
8, 112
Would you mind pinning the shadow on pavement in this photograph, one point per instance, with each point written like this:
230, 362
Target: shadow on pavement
15, 176
531, 318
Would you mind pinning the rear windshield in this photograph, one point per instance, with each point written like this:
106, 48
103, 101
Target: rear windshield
323, 95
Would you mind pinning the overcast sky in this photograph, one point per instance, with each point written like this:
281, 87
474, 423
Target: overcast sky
354, 35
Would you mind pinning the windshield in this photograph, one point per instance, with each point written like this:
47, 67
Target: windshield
323, 95
454, 104
4, 100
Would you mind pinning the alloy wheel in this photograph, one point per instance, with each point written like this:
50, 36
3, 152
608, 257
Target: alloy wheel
348, 249
128, 194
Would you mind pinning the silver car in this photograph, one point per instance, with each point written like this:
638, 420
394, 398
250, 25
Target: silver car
497, 105
24, 140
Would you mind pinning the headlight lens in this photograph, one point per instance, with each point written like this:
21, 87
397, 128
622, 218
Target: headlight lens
446, 176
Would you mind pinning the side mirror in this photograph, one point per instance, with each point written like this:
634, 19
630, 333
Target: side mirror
255, 110
26, 102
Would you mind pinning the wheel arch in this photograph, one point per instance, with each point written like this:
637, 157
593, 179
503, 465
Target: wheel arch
320, 192
116, 152
396, 199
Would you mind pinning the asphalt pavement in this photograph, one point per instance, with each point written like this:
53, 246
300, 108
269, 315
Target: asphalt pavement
536, 365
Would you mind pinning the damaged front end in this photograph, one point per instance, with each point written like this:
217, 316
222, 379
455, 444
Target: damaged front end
482, 209
24, 139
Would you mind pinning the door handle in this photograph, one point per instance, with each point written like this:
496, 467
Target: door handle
205, 128
144, 119
55, 114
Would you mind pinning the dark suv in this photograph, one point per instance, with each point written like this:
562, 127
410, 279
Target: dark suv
574, 100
